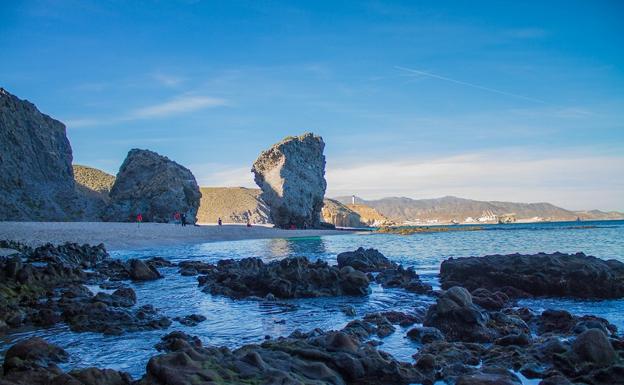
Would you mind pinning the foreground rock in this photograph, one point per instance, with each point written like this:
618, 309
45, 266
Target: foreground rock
36, 177
34, 362
390, 274
366, 260
155, 187
44, 286
317, 357
455, 315
294, 277
554, 275
291, 175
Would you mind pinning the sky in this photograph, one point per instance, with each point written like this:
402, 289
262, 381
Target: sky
490, 100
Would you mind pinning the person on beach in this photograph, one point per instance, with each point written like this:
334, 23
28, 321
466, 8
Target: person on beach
248, 223
139, 219
219, 221
177, 217
183, 218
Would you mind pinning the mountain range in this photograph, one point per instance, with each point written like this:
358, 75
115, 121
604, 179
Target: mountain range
450, 208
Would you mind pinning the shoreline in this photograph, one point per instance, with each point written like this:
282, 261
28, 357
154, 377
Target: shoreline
131, 236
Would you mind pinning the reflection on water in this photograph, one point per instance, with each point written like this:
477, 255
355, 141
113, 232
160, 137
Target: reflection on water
237, 322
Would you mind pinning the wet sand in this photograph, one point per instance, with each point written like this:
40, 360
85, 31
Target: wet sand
120, 236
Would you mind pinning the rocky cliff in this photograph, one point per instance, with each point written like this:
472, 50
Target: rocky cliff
291, 175
154, 186
232, 205
36, 177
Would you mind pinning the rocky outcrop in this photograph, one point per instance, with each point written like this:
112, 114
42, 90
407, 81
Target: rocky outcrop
155, 187
340, 215
455, 315
36, 177
32, 279
366, 260
34, 362
291, 175
369, 216
293, 277
323, 358
232, 205
553, 275
390, 274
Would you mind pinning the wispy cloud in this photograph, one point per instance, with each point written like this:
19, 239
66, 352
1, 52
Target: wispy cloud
179, 105
168, 80
463, 83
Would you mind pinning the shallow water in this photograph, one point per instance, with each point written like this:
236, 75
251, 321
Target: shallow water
236, 322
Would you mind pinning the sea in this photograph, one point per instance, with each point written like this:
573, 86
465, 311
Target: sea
233, 323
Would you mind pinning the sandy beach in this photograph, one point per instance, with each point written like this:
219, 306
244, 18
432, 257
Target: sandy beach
120, 236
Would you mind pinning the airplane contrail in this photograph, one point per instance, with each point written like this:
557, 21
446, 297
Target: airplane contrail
431, 75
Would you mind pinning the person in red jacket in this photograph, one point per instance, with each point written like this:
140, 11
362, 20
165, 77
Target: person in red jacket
139, 218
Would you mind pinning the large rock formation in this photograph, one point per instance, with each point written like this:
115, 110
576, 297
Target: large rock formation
232, 205
36, 178
154, 186
291, 175
553, 275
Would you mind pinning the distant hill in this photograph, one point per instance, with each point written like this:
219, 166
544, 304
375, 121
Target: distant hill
94, 179
232, 205
93, 185
451, 208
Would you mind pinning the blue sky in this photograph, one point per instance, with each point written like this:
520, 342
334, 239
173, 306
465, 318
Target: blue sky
497, 100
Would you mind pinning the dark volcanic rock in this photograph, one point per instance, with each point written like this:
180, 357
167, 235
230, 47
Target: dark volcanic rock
293, 277
33, 353
558, 275
190, 320
425, 334
141, 271
407, 279
335, 357
461, 320
366, 260
36, 176
291, 175
70, 254
33, 362
154, 186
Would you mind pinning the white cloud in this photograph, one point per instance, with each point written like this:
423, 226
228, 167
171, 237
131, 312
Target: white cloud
168, 80
176, 106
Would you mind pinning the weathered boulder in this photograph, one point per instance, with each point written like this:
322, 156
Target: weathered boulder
153, 186
366, 260
142, 271
460, 319
291, 175
293, 277
36, 177
593, 346
556, 275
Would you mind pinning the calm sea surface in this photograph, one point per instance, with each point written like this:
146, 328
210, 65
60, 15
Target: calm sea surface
236, 322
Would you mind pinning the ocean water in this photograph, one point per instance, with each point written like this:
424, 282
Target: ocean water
234, 323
